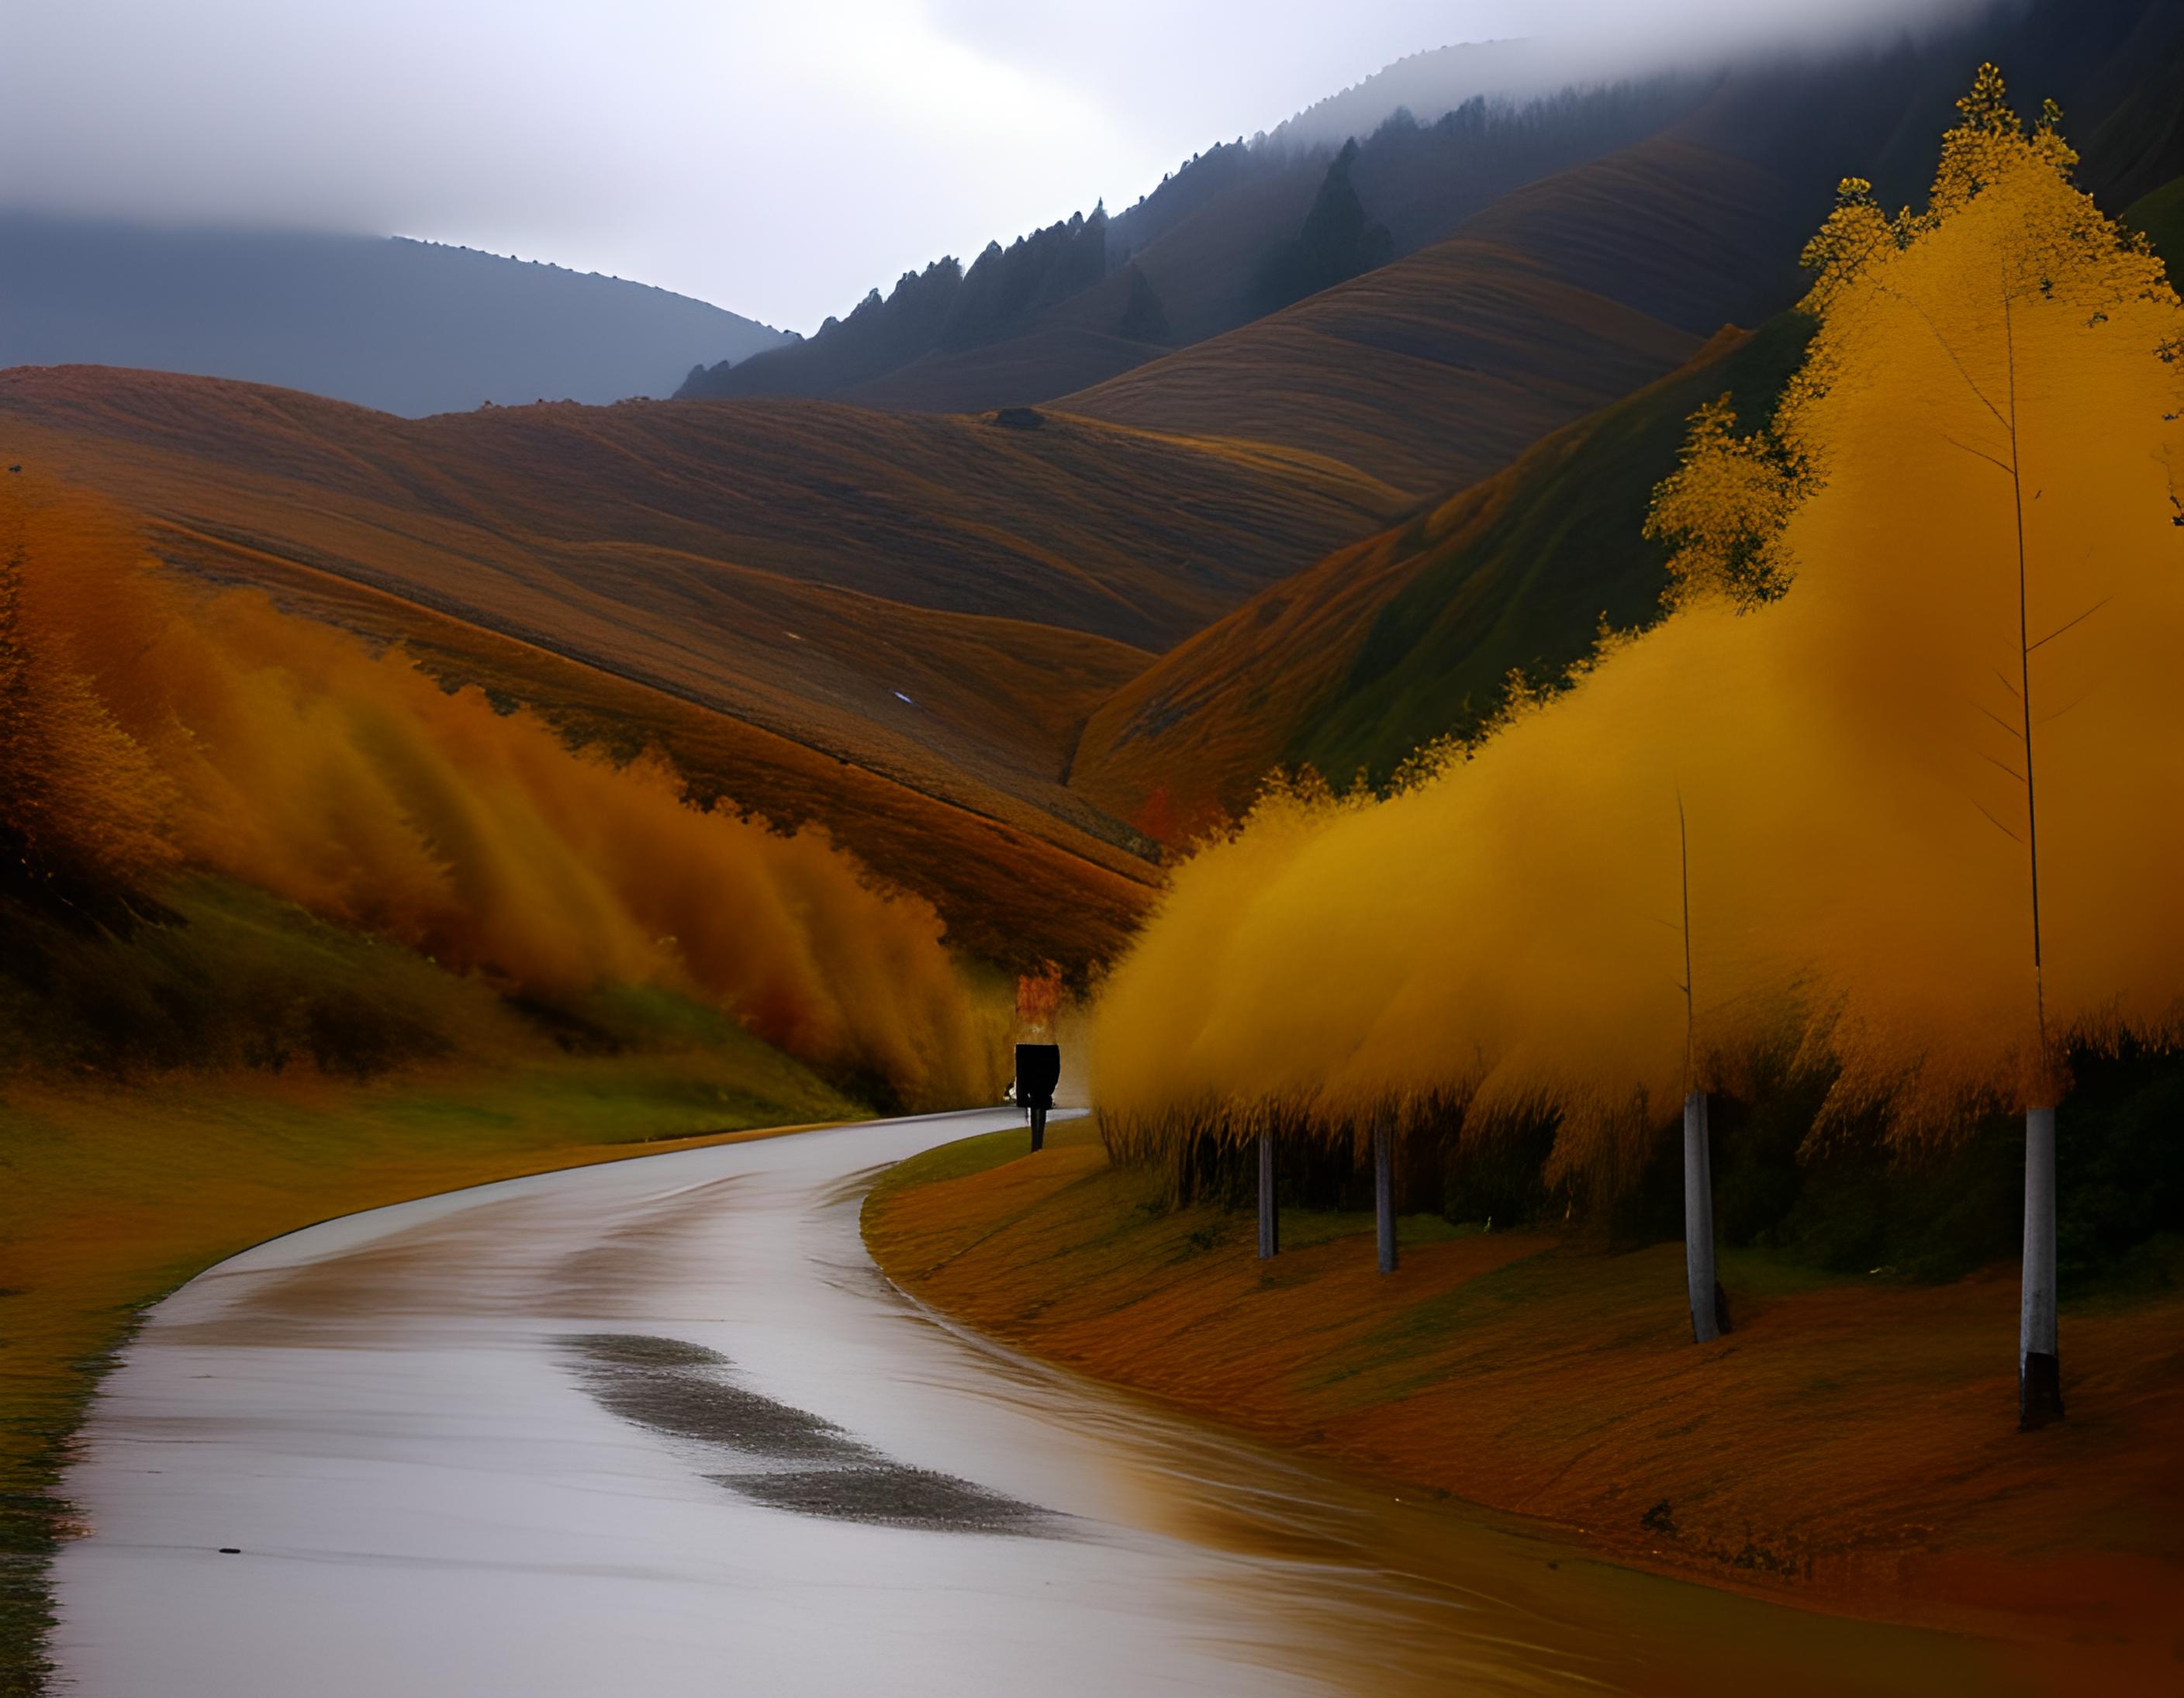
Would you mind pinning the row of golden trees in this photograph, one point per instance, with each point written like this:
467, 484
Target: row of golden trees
1899, 782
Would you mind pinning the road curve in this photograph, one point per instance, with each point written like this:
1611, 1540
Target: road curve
660, 1426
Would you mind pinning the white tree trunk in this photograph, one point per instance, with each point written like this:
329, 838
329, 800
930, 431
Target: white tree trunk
1698, 1221
2039, 1364
1383, 1190
1270, 1214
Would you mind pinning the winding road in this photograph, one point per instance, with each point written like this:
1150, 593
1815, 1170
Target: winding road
661, 1428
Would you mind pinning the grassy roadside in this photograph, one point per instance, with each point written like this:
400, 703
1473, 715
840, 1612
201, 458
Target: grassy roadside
111, 1195
1851, 1447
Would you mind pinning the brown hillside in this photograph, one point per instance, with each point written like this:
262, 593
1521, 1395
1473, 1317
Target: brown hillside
1689, 235
1429, 372
1511, 565
760, 586
1217, 712
803, 565
1441, 368
1016, 885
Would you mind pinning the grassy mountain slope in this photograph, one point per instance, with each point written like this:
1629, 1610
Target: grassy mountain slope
891, 625
1694, 236
1016, 885
410, 327
1438, 369
1429, 372
1391, 642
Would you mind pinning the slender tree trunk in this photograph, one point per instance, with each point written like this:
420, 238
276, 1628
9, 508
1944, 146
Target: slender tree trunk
2039, 1365
1709, 1306
1698, 1223
2039, 1362
1383, 1190
1270, 1210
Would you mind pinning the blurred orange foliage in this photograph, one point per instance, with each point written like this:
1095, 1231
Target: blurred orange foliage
149, 724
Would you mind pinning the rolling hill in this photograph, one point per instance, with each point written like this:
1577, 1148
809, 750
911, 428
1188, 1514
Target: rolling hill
1411, 635
407, 327
892, 624
1434, 371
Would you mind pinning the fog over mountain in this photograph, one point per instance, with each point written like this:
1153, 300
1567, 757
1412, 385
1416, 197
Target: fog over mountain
404, 326
775, 161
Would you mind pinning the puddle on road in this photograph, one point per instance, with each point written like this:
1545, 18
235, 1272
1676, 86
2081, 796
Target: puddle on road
688, 1392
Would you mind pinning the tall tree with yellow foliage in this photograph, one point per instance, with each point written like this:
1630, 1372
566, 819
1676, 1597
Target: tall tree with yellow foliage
1995, 349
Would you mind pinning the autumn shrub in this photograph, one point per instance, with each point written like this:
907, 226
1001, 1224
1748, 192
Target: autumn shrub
153, 726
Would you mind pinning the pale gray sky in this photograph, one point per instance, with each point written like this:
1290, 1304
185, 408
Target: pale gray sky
776, 159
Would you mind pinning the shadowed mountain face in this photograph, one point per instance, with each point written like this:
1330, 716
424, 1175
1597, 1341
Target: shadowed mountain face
404, 326
1685, 197
1240, 231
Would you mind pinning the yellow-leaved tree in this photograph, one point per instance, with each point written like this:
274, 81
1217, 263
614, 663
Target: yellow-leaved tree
1988, 384
1920, 692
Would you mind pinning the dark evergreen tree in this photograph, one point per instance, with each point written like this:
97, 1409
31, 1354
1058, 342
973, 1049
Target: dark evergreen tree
1339, 240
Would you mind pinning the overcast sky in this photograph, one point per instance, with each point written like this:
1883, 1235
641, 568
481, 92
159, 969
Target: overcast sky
776, 159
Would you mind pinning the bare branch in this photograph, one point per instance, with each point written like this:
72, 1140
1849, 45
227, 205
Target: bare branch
2080, 619
2004, 765
2014, 731
2009, 686
1993, 821
1978, 453
2049, 719
1952, 353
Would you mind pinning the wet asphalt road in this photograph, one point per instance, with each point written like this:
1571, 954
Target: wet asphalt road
660, 1426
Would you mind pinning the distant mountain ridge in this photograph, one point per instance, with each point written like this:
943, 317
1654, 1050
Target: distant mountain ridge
402, 326
1245, 229
1239, 232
